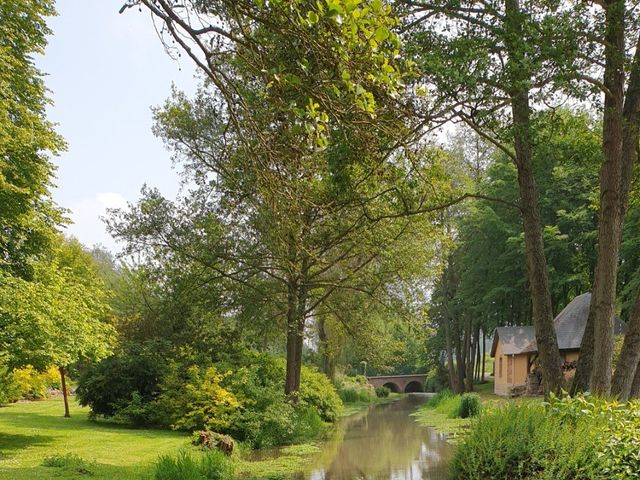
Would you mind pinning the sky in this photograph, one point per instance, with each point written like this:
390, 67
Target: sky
105, 72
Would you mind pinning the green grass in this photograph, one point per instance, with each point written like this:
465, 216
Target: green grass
280, 463
441, 418
34, 433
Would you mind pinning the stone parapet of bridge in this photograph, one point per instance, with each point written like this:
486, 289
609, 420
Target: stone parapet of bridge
400, 383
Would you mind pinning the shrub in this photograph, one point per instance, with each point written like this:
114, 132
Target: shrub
317, 391
470, 405
434, 385
132, 376
26, 383
71, 463
365, 396
349, 395
194, 399
567, 439
355, 389
208, 465
266, 418
383, 392
246, 402
9, 388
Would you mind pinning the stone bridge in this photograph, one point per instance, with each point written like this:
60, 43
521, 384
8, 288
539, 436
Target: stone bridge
400, 383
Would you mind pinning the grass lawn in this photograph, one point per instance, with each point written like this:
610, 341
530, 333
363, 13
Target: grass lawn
32, 431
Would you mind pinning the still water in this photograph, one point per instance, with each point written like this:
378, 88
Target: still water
383, 443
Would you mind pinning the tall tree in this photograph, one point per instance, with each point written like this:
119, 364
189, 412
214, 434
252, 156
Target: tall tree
27, 139
621, 123
484, 69
294, 230
485, 278
296, 134
60, 317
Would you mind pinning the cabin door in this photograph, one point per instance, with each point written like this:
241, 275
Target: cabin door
510, 369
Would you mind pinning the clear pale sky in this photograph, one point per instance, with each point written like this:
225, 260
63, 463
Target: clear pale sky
105, 71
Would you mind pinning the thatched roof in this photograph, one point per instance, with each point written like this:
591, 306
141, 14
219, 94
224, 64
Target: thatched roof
569, 325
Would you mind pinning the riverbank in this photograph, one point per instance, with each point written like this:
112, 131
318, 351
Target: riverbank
442, 419
33, 434
286, 461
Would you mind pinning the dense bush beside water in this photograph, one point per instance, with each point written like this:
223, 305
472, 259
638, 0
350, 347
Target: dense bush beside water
455, 406
567, 439
470, 405
383, 392
244, 398
355, 389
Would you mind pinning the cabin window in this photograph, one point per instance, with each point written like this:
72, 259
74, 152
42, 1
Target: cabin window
500, 374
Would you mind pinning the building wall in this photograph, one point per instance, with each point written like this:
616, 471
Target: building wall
513, 372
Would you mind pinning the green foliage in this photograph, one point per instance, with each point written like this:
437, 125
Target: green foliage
566, 439
455, 406
470, 405
445, 402
138, 386
382, 392
266, 418
27, 139
355, 389
318, 393
349, 395
59, 318
207, 465
434, 384
70, 463
125, 383
34, 385
194, 399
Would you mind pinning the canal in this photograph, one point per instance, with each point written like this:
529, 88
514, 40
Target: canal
383, 443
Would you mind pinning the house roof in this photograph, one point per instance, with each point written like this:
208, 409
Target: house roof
569, 325
514, 339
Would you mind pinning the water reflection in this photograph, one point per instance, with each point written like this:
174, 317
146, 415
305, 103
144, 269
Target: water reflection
384, 443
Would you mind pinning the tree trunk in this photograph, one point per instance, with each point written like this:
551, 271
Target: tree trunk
629, 356
582, 378
635, 386
295, 332
460, 366
610, 221
326, 362
630, 134
470, 352
630, 353
63, 384
484, 355
538, 275
453, 380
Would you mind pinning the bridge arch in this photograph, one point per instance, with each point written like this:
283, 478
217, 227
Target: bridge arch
413, 387
393, 387
400, 383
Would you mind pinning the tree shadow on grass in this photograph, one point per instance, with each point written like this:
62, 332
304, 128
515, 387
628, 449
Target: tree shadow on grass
76, 423
12, 442
94, 471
